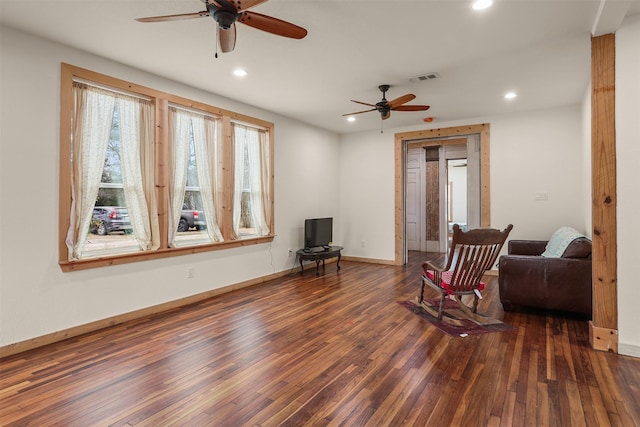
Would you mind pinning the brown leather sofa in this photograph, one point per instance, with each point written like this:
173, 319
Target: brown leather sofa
528, 279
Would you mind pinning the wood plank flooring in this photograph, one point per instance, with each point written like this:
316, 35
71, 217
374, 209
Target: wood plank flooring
334, 350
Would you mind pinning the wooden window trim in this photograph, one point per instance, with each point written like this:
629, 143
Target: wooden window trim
161, 102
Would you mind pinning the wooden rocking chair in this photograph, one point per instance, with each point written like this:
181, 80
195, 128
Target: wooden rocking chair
472, 253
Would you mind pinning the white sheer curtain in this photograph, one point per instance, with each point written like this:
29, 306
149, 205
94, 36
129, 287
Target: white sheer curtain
92, 125
131, 164
206, 162
239, 137
147, 151
266, 181
180, 123
254, 142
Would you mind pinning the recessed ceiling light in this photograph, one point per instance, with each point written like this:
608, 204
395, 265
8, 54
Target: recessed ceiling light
510, 95
351, 119
239, 72
482, 4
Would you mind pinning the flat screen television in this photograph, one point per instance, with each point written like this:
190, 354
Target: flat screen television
318, 232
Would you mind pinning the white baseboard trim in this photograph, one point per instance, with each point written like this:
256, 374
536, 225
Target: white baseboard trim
629, 350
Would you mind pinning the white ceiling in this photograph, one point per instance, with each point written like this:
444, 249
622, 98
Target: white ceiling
537, 48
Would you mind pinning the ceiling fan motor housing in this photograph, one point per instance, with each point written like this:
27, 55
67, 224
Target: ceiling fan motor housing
383, 107
224, 17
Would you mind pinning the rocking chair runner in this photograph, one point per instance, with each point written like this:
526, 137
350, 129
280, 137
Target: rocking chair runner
472, 253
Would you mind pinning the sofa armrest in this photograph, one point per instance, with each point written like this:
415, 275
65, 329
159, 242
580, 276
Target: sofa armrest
526, 247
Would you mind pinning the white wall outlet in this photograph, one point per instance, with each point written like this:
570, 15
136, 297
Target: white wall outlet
542, 195
290, 251
362, 244
191, 272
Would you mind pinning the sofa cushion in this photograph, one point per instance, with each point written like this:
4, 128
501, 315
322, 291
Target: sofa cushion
559, 241
578, 248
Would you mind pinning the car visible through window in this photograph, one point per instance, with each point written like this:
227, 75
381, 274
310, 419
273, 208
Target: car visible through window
110, 219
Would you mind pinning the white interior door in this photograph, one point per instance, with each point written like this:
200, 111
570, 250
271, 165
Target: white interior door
414, 197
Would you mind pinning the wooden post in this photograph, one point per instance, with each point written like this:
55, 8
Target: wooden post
603, 333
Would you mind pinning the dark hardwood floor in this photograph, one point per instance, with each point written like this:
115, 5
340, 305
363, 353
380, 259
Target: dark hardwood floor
330, 350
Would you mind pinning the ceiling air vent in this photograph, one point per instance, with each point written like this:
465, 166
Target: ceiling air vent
424, 77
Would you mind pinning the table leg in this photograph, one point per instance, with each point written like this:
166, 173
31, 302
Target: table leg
339, 256
301, 266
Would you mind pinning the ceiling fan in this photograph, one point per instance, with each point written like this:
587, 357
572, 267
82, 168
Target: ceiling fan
385, 107
227, 12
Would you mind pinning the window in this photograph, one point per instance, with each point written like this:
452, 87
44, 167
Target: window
109, 195
194, 173
250, 198
145, 175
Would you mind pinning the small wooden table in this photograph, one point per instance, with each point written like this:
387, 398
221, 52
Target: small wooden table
317, 255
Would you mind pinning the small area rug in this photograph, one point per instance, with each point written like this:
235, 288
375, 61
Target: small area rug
469, 327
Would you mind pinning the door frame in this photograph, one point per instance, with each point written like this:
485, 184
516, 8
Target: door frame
401, 142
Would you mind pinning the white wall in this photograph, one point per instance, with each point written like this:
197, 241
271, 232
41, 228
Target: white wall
36, 298
628, 183
537, 152
367, 195
586, 160
540, 151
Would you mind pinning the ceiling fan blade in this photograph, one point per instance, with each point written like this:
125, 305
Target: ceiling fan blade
359, 112
272, 25
411, 108
227, 38
363, 103
401, 100
174, 17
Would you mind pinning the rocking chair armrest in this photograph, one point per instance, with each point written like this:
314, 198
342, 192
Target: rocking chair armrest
435, 265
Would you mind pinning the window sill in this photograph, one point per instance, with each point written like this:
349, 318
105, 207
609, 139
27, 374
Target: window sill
69, 266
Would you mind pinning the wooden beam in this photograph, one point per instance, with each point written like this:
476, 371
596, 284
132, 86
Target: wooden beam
603, 332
